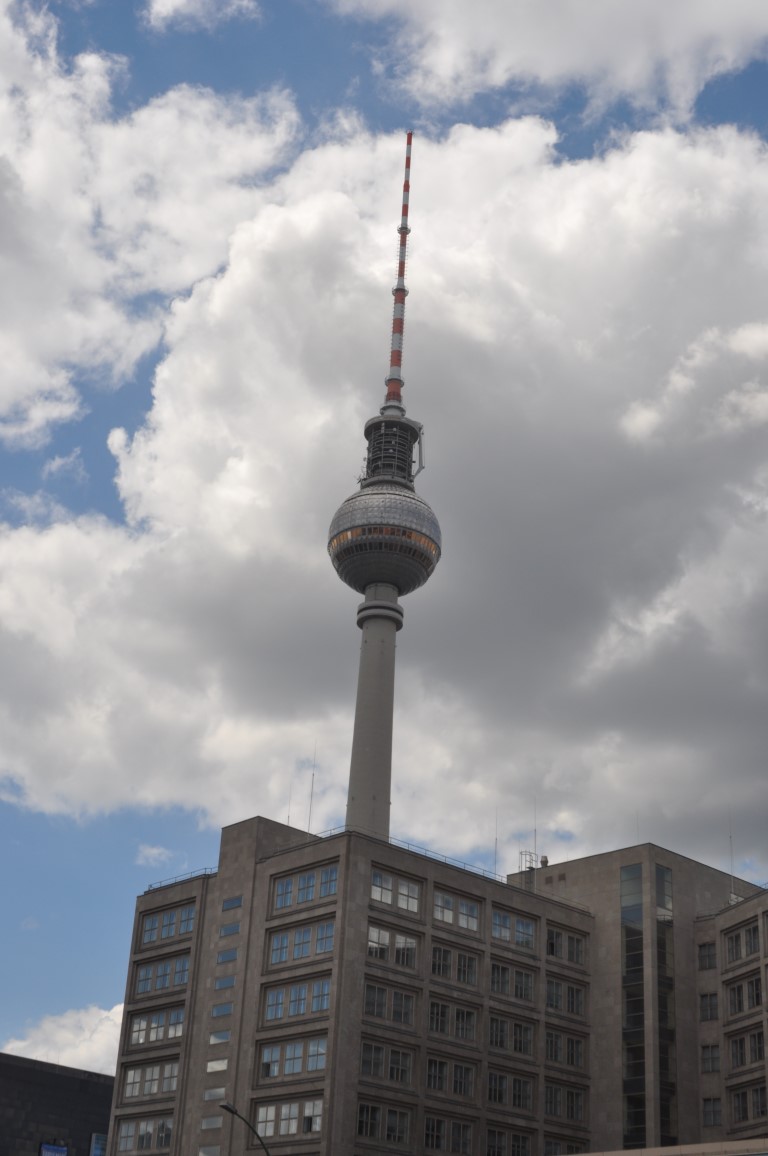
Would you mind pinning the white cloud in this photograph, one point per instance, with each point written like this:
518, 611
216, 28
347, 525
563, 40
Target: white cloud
85, 1038
651, 53
68, 465
161, 14
149, 856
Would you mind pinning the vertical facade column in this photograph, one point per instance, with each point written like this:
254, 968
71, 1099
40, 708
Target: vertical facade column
379, 617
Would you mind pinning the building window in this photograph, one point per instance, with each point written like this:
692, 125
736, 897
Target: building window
522, 1039
463, 1080
554, 995
229, 929
297, 999
149, 929
708, 1006
302, 941
397, 1126
372, 1062
375, 1001
283, 893
499, 1033
441, 962
209, 1123
469, 913
466, 969
402, 1008
497, 1088
443, 907
368, 1120
378, 943
751, 940
328, 881
439, 1014
229, 955
522, 1094
733, 947
176, 1023
464, 1024
187, 920
144, 980
461, 1137
306, 888
554, 1047
279, 953
232, 902
575, 949
321, 995
181, 971
222, 1037
170, 1077
554, 942
574, 1052
408, 895
574, 1000
163, 977
501, 925
496, 1143
523, 985
405, 951
126, 1135
759, 1106
553, 1100
324, 937
739, 1106
400, 1066
223, 981
756, 1047
500, 979
524, 936
316, 1052
132, 1085
381, 887
711, 1114
738, 1052
217, 1065
270, 1062
434, 1133
707, 956
265, 1119
754, 992
222, 1009
294, 1058
736, 999
275, 1004
574, 1104
214, 1093
289, 1119
437, 1075
710, 1058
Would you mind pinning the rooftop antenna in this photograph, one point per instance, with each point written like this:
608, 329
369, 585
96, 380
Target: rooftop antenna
394, 380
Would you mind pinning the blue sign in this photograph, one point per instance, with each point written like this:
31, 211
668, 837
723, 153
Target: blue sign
54, 1150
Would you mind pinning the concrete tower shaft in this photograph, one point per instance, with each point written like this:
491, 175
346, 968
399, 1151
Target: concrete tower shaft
384, 541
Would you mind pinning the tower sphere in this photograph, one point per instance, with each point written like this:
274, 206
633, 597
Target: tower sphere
385, 533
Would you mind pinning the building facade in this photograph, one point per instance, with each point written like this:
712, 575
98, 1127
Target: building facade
47, 1104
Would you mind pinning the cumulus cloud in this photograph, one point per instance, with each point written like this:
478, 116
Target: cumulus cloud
85, 1038
653, 54
101, 217
149, 856
594, 638
162, 14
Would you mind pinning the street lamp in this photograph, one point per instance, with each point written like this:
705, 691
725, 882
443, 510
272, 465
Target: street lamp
234, 1112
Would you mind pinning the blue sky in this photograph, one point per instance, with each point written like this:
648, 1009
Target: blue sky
198, 240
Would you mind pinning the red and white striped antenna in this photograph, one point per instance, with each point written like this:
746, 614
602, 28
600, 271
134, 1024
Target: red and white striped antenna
395, 377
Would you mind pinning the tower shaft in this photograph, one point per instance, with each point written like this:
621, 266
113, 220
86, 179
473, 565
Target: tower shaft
370, 772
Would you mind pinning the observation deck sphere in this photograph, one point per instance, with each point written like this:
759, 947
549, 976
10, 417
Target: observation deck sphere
384, 532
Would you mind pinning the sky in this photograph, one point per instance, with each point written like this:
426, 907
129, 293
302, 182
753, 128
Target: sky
197, 245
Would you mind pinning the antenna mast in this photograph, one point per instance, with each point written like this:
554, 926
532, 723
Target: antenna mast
395, 378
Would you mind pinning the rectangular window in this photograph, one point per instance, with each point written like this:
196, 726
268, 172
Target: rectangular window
169, 925
499, 1033
574, 1000
397, 1126
736, 999
297, 1000
400, 1066
170, 1077
522, 1039
187, 920
402, 1008
554, 942
739, 1104
759, 1105
738, 1052
313, 1116
368, 1120
227, 956
498, 1088
524, 934
575, 949
434, 1133
176, 1023
381, 887
443, 908
733, 947
461, 1137
437, 1075
229, 929
754, 992
408, 895
711, 1114
464, 1024
372, 1062
522, 1094
441, 962
554, 1047
125, 1136
500, 979
275, 1004
214, 1093
496, 1143
149, 931
378, 943
710, 1058
469, 914
328, 881
289, 1119
283, 893
270, 1062
181, 971
574, 1104
751, 940
553, 1100
279, 952
439, 1015
574, 1052
324, 938
501, 925
217, 1065
222, 1009
132, 1085
223, 981
554, 995
156, 1027
756, 1047
265, 1119
306, 889
708, 1006
210, 1123
523, 985
302, 942
144, 980
316, 1051
463, 1080
232, 902
707, 956
321, 995
294, 1058
405, 951
139, 1029
466, 969
375, 1001
222, 1037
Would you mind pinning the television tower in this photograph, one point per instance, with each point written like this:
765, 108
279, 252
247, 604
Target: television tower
384, 541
